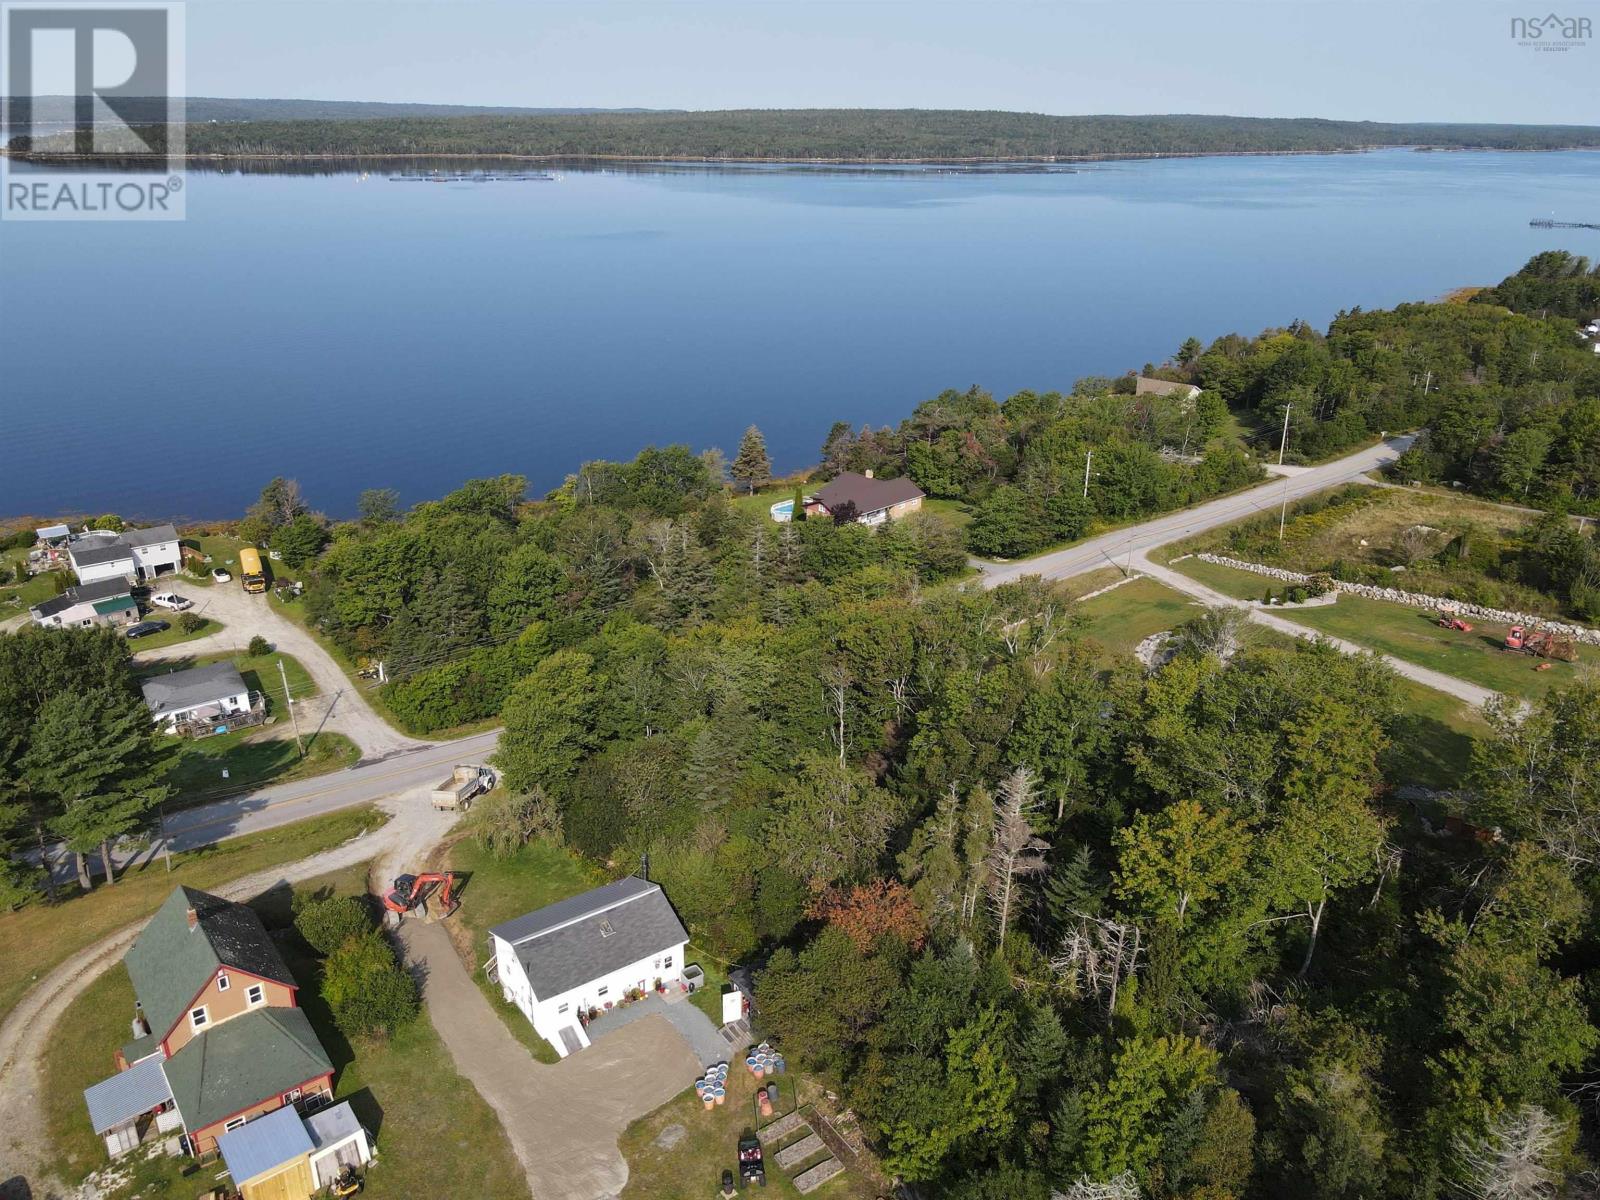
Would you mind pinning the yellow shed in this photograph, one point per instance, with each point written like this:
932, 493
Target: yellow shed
270, 1157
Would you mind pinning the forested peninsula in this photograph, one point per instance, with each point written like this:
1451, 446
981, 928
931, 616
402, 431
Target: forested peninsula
834, 135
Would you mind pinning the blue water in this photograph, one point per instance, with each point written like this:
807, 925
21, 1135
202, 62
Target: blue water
357, 333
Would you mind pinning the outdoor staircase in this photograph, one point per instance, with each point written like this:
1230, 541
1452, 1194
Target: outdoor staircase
737, 1033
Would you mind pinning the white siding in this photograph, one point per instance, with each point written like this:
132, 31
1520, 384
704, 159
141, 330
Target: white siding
546, 1013
121, 568
238, 703
163, 556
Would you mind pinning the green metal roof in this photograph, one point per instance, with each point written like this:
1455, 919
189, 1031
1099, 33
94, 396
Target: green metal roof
171, 963
140, 1047
120, 604
241, 1062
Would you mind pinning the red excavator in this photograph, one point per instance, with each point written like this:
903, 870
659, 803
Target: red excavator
1541, 643
412, 892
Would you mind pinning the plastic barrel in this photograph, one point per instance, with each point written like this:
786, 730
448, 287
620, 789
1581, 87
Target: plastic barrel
700, 1087
709, 1100
718, 1095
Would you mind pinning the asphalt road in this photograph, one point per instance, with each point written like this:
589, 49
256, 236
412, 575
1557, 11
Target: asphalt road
1116, 547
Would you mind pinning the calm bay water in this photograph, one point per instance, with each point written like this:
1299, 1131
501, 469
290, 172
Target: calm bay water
356, 332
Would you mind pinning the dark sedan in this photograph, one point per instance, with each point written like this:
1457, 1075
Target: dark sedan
146, 628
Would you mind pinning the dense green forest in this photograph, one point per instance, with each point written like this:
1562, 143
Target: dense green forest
1049, 923
859, 134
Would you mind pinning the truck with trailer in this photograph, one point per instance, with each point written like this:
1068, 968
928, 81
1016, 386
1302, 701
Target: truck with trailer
466, 782
250, 572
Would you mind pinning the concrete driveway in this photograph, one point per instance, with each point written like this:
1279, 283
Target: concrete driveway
564, 1120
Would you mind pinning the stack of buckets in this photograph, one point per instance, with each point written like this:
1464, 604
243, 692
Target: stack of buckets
764, 1060
768, 1096
712, 1086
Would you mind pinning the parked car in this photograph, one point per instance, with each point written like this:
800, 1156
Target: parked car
146, 628
220, 574
171, 600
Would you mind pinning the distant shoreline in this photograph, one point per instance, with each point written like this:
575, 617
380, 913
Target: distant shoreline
48, 158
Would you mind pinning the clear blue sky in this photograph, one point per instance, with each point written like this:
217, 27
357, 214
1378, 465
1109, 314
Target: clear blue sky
1400, 60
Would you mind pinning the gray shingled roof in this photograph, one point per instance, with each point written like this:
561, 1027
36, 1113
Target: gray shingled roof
564, 945
91, 551
868, 495
149, 537
170, 963
1144, 385
126, 1094
242, 1061
188, 689
82, 593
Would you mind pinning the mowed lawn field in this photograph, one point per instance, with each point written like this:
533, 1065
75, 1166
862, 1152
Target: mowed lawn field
429, 1124
36, 939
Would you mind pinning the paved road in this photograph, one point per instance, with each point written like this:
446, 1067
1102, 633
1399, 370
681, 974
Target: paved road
1116, 547
268, 807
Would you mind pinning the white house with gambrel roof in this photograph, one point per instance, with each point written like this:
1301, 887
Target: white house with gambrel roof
586, 953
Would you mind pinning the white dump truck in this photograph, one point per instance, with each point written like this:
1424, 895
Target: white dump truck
465, 782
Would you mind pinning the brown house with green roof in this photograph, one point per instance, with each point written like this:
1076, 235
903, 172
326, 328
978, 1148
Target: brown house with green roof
218, 1036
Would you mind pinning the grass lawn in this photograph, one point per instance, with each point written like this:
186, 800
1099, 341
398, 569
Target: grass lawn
691, 1168
429, 1124
39, 937
174, 635
1230, 581
496, 890
1121, 619
253, 761
1411, 634
953, 511
223, 550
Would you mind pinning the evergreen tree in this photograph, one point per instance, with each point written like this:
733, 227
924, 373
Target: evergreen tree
751, 466
98, 756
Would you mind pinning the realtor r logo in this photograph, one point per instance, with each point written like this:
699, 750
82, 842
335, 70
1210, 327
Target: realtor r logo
1551, 32
91, 110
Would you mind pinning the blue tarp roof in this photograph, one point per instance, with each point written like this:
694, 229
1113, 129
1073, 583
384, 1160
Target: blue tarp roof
122, 1097
267, 1142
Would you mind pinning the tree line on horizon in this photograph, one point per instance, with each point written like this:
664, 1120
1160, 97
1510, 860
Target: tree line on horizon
858, 134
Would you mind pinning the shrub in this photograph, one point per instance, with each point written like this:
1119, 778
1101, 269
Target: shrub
366, 988
327, 923
259, 646
191, 622
1297, 595
503, 822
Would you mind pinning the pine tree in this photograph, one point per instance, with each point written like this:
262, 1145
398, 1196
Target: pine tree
98, 756
751, 466
1072, 887
798, 512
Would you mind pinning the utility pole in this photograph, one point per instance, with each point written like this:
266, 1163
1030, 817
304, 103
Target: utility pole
293, 716
1089, 458
1283, 445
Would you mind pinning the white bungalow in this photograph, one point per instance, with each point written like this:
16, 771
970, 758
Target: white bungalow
586, 953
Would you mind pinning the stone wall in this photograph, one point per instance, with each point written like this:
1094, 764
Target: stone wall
1578, 633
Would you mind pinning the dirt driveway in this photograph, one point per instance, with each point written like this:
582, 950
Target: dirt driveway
563, 1120
339, 704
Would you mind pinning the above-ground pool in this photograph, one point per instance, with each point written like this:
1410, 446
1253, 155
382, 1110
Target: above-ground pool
783, 510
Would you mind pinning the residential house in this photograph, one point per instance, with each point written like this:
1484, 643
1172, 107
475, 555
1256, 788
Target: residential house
133, 554
284, 1156
218, 1037
586, 954
874, 500
1143, 385
204, 697
104, 602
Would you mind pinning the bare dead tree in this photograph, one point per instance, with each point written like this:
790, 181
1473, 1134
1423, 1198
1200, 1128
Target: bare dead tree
1119, 1187
1015, 851
1510, 1159
1388, 856
1097, 956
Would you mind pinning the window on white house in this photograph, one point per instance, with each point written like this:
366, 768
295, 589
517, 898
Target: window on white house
668, 960
602, 991
222, 982
199, 1017
562, 1009
233, 1124
254, 995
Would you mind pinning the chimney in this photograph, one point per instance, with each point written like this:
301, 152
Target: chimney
141, 1027
194, 918
868, 472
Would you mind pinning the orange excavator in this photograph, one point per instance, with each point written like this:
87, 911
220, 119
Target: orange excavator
411, 892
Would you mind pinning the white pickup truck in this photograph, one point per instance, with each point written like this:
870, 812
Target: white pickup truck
465, 782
